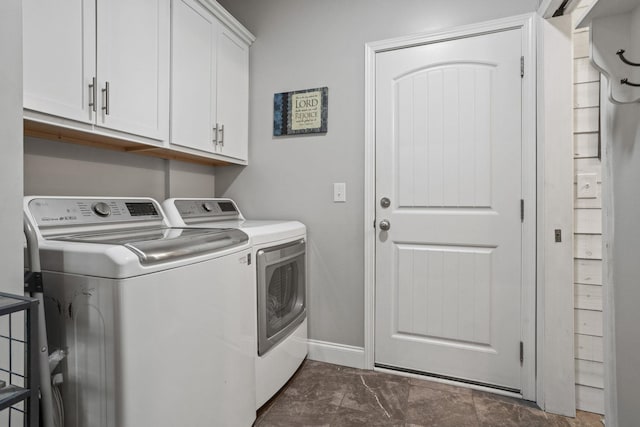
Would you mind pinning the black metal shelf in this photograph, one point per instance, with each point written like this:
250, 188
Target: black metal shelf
11, 394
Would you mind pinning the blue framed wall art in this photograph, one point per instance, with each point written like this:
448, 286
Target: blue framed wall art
300, 112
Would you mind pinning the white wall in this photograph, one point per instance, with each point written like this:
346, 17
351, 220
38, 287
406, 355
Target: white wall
63, 169
624, 149
621, 209
184, 179
11, 274
307, 44
11, 270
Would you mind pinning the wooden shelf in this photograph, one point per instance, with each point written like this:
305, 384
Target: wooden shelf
57, 133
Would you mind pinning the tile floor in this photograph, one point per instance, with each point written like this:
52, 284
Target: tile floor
321, 394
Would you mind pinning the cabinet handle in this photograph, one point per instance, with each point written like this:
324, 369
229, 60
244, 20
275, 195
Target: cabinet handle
215, 133
105, 98
93, 94
221, 135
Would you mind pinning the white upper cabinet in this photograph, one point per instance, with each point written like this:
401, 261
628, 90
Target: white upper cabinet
233, 95
209, 81
133, 63
193, 75
59, 57
102, 63
168, 78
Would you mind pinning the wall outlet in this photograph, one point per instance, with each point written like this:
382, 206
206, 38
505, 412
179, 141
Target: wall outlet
339, 192
587, 186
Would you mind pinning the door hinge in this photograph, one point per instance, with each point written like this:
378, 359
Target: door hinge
522, 66
521, 210
521, 353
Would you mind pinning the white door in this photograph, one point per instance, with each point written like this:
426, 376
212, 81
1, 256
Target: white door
193, 75
233, 95
133, 59
448, 157
59, 57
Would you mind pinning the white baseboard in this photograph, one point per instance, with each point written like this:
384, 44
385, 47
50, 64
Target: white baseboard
337, 354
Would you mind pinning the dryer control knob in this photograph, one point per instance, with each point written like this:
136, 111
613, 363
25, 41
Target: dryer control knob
207, 206
101, 209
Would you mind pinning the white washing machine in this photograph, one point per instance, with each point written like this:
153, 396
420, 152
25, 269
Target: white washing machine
279, 251
155, 319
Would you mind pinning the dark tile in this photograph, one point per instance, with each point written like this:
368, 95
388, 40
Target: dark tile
346, 417
316, 389
310, 397
265, 407
440, 386
268, 404
501, 411
559, 421
316, 382
582, 419
382, 395
588, 419
513, 400
321, 394
435, 407
298, 413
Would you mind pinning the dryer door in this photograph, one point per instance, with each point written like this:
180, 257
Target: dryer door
281, 292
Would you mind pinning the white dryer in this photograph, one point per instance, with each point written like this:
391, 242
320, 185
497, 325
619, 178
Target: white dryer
154, 318
279, 251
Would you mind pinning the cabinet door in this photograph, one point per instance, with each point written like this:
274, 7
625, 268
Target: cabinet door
193, 75
59, 57
133, 59
233, 95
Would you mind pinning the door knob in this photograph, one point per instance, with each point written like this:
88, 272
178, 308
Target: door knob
385, 225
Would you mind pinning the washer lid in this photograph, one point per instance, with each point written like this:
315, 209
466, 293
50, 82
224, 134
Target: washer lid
154, 245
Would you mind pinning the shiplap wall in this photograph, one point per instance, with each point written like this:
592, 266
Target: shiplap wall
588, 227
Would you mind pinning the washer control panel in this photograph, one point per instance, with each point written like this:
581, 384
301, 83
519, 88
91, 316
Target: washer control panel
101, 209
207, 208
84, 211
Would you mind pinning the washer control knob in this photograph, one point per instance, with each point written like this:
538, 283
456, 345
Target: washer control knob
207, 206
101, 209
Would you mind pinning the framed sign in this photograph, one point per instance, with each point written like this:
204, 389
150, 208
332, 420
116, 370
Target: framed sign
300, 112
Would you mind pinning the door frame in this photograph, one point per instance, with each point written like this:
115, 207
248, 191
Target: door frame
529, 174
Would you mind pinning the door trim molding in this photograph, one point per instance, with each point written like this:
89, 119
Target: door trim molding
528, 25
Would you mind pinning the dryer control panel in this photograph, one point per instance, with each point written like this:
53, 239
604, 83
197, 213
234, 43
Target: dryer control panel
86, 211
210, 209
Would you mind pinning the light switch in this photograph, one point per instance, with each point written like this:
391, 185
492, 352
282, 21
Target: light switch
339, 192
586, 186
